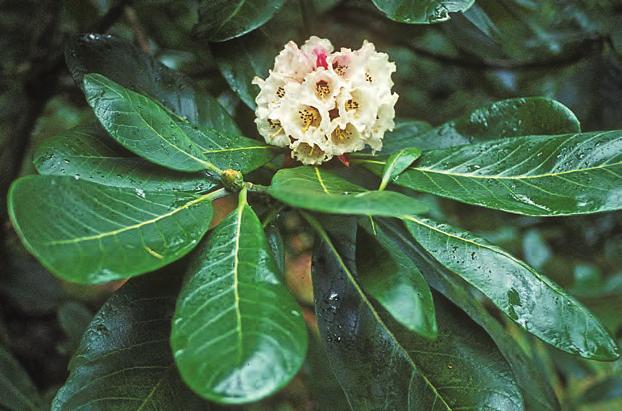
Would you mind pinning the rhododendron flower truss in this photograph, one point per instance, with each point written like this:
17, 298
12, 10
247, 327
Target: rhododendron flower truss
321, 103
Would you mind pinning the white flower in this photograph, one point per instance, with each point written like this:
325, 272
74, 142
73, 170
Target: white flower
322, 103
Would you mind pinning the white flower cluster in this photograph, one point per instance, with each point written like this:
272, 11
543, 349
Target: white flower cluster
323, 104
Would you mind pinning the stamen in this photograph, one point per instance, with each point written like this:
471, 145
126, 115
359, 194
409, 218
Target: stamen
340, 69
280, 92
310, 150
322, 89
276, 132
341, 136
309, 116
351, 105
368, 78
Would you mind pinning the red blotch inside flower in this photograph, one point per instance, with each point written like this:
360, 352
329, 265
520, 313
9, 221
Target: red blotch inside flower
320, 58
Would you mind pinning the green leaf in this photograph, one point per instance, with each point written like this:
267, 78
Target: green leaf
478, 17
531, 300
89, 153
17, 392
149, 130
393, 280
402, 135
242, 59
380, 367
421, 11
537, 391
316, 189
238, 335
506, 118
124, 361
397, 163
221, 20
129, 66
89, 233
532, 175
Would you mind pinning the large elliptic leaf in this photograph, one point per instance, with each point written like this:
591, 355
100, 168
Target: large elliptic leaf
533, 175
90, 233
17, 392
381, 367
507, 118
148, 129
316, 189
393, 280
238, 335
421, 11
531, 300
124, 361
129, 66
221, 20
537, 391
88, 153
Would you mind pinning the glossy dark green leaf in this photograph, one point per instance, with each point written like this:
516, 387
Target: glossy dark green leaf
124, 361
463, 352
537, 391
221, 20
397, 163
90, 154
393, 280
17, 392
242, 59
129, 66
317, 189
421, 11
533, 175
148, 129
238, 335
403, 134
531, 300
380, 367
90, 233
323, 387
506, 118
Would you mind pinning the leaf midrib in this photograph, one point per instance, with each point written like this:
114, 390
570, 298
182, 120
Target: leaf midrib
499, 177
236, 291
105, 234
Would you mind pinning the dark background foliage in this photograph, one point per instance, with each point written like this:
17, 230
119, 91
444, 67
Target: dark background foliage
570, 50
